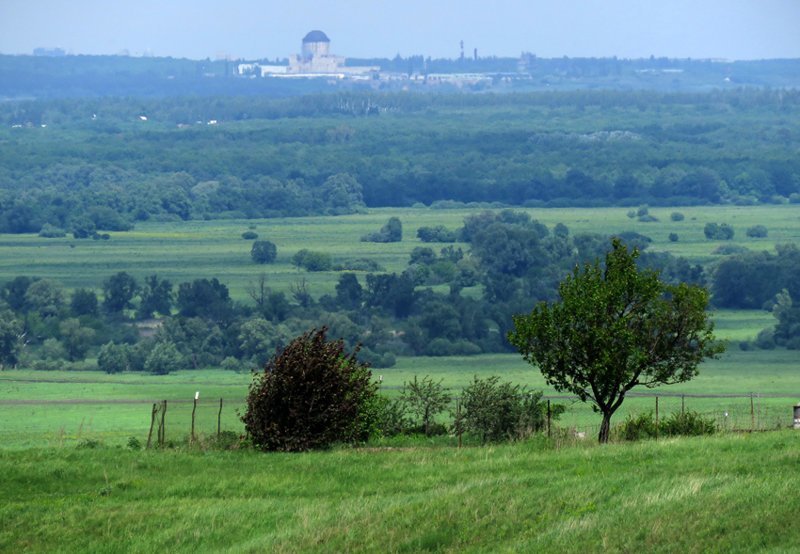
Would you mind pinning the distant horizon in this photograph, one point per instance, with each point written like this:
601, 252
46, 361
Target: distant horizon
731, 30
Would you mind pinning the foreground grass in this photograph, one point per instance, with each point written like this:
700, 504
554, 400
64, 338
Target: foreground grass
727, 493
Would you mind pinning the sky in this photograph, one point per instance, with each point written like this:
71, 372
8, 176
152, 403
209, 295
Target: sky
256, 29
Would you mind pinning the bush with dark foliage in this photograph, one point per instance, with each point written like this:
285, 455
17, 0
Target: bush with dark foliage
311, 395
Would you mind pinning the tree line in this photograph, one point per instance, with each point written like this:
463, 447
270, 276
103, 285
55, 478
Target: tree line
513, 261
97, 166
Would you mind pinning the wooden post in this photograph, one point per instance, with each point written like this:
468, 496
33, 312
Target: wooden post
219, 418
163, 428
683, 398
152, 423
194, 410
752, 414
458, 418
549, 420
656, 417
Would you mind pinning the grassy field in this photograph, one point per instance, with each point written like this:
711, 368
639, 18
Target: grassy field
113, 408
63, 408
188, 250
732, 493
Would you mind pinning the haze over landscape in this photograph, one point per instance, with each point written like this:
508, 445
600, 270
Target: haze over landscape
729, 29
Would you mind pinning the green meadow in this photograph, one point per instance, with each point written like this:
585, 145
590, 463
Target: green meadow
729, 493
59, 408
187, 250
62, 408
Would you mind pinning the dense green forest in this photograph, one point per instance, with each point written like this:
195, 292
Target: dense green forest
102, 164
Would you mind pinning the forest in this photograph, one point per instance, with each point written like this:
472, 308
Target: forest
86, 165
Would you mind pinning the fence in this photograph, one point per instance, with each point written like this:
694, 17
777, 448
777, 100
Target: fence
178, 426
750, 412
190, 420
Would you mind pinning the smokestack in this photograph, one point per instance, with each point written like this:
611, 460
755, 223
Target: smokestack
462, 50
475, 54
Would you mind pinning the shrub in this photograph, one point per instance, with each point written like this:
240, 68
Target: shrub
249, 235
312, 261
635, 240
687, 424
766, 339
360, 264
676, 216
643, 426
715, 231
163, 358
673, 237
113, 358
231, 364
311, 395
393, 418
757, 231
425, 399
638, 427
438, 233
51, 232
391, 232
501, 411
263, 252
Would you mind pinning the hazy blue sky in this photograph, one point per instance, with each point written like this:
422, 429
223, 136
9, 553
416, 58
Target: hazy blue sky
733, 29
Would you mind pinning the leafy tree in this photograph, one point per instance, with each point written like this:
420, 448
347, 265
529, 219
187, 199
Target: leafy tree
83, 302
155, 297
13, 292
164, 358
342, 194
113, 358
349, 293
616, 327
10, 338
425, 398
118, 292
46, 297
76, 339
208, 299
263, 252
311, 395
258, 338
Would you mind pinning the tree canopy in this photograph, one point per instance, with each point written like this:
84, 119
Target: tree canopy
615, 327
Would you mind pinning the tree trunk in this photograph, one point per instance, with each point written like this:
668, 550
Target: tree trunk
605, 427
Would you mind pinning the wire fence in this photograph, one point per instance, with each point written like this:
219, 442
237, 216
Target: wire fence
193, 420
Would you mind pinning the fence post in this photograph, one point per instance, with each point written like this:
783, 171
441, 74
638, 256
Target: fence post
163, 429
656, 417
458, 418
548, 419
683, 403
219, 417
152, 422
194, 410
752, 414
